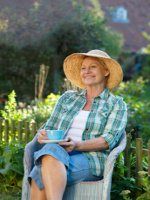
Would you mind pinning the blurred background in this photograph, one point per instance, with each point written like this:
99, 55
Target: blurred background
39, 32
35, 37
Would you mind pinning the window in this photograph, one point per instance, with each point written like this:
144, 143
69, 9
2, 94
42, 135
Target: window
120, 15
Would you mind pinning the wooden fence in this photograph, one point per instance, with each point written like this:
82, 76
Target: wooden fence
139, 153
24, 131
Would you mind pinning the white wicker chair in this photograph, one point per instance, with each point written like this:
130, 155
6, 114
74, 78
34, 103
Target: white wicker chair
92, 190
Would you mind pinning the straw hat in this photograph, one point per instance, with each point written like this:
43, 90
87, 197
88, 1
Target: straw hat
72, 65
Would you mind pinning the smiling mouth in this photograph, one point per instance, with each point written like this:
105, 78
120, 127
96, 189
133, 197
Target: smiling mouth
89, 77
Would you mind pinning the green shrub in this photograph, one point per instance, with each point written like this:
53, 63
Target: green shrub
11, 167
37, 111
145, 183
41, 110
126, 187
10, 111
136, 95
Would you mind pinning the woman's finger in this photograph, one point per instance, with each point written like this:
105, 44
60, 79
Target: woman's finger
43, 132
42, 136
64, 143
69, 139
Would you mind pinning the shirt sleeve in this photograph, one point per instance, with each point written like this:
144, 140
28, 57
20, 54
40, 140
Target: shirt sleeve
116, 124
54, 118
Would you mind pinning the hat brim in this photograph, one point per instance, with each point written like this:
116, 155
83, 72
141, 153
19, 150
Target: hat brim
72, 65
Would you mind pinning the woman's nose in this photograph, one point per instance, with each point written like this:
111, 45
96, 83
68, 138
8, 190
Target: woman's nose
87, 70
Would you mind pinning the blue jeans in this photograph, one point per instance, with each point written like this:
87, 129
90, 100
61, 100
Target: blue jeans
76, 163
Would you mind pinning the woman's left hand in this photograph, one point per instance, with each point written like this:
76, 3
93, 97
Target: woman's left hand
69, 145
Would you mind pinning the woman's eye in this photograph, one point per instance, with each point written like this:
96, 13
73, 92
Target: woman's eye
93, 66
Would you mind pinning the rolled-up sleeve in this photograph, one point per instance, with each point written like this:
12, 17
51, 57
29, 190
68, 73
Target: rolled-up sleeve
55, 116
116, 124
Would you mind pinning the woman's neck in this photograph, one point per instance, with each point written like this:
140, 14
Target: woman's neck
93, 92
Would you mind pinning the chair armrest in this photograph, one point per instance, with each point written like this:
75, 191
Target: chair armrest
109, 166
29, 150
28, 162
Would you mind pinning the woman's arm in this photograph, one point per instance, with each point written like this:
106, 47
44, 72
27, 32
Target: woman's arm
116, 124
95, 144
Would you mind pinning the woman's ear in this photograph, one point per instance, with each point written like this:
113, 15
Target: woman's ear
106, 72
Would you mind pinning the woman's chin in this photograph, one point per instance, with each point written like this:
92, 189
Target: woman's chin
89, 83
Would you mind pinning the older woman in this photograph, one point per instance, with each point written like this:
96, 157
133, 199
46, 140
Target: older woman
93, 120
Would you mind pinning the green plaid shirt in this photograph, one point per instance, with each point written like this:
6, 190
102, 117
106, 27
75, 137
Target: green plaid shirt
107, 118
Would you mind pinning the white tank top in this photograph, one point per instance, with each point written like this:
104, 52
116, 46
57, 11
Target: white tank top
78, 125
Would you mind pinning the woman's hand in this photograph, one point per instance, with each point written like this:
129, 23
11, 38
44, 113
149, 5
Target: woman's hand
69, 145
42, 136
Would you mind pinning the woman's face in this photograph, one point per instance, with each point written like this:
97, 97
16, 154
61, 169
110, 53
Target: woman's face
93, 72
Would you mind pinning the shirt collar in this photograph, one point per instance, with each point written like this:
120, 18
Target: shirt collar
103, 95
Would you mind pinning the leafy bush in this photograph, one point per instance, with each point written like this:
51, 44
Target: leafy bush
11, 167
41, 110
37, 111
145, 72
11, 156
145, 182
126, 187
10, 111
136, 95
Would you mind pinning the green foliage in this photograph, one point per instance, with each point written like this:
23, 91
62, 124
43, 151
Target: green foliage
136, 95
10, 111
125, 194
11, 156
147, 37
145, 72
121, 184
125, 186
82, 31
144, 189
37, 111
18, 67
41, 110
11, 167
145, 183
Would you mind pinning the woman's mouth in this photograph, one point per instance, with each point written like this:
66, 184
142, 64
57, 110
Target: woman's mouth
89, 77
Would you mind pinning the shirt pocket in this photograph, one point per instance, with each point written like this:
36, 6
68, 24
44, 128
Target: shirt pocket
67, 111
101, 120
103, 114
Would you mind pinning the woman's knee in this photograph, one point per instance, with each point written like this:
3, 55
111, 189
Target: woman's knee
48, 159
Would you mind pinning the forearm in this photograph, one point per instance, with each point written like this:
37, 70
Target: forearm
95, 144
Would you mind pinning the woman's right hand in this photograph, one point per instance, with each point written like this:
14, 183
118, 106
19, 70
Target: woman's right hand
42, 136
